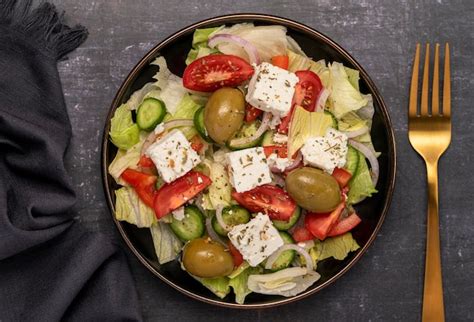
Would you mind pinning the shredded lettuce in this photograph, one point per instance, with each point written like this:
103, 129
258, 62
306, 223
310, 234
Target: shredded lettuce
185, 110
361, 185
129, 208
337, 247
304, 125
148, 90
343, 97
167, 245
239, 283
220, 190
126, 159
123, 132
268, 40
200, 48
299, 62
219, 285
353, 76
172, 90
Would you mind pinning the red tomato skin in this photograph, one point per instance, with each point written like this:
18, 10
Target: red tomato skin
282, 61
236, 255
342, 176
212, 72
252, 113
319, 224
301, 234
306, 94
196, 143
175, 194
280, 150
145, 162
144, 184
345, 225
271, 200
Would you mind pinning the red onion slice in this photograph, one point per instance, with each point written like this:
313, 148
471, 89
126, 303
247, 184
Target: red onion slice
249, 48
356, 133
322, 98
219, 218
301, 250
212, 233
370, 155
178, 123
263, 127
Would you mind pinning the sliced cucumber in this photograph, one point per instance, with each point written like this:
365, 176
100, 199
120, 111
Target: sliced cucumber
285, 258
199, 124
352, 160
192, 225
335, 123
247, 130
232, 216
285, 225
150, 113
268, 138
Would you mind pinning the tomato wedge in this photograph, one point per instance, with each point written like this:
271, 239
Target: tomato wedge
319, 224
175, 194
342, 176
306, 93
345, 225
282, 61
273, 201
252, 113
301, 234
236, 255
196, 143
280, 150
212, 72
145, 162
144, 184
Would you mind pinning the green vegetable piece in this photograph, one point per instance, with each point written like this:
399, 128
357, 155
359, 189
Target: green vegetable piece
232, 216
352, 160
268, 138
150, 113
285, 258
199, 125
361, 185
123, 132
247, 130
192, 225
285, 225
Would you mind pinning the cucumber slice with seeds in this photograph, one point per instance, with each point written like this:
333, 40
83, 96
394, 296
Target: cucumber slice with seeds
285, 225
232, 216
150, 113
192, 225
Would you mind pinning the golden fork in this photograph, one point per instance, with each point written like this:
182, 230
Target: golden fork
430, 134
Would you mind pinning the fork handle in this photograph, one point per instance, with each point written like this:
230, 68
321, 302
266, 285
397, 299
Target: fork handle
433, 306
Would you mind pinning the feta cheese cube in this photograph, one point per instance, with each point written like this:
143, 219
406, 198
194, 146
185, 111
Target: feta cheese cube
271, 89
173, 156
280, 138
248, 169
326, 152
280, 163
256, 240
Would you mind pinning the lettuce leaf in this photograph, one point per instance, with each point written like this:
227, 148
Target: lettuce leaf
343, 97
304, 125
123, 132
185, 109
172, 90
148, 90
129, 208
126, 159
219, 285
239, 283
337, 247
167, 244
299, 62
361, 185
353, 76
200, 47
268, 40
220, 190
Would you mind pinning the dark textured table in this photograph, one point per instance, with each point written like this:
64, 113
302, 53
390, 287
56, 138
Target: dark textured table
387, 283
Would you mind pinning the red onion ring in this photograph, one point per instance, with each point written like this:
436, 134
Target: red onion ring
178, 123
322, 98
212, 233
263, 127
356, 133
370, 155
301, 250
219, 218
150, 139
249, 48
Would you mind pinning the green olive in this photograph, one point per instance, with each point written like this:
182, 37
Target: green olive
224, 114
204, 257
313, 189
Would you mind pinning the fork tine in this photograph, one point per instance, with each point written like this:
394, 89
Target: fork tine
414, 84
447, 83
435, 94
424, 88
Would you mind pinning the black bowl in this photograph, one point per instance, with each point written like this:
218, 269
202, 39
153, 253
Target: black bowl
372, 210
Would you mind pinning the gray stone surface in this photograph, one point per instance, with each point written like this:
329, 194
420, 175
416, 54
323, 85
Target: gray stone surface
387, 283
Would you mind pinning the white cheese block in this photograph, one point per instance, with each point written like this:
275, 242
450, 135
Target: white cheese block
173, 156
248, 169
326, 152
256, 240
271, 89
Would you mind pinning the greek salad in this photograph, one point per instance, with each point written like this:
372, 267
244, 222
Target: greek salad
246, 169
